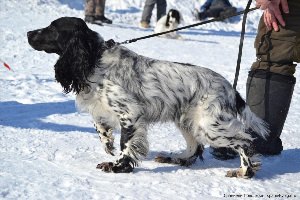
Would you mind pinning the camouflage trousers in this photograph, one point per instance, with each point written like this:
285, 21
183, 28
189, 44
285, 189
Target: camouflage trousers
278, 51
94, 7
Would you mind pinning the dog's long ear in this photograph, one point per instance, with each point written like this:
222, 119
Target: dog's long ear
77, 62
168, 19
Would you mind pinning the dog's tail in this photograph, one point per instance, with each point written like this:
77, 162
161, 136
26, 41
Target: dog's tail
250, 120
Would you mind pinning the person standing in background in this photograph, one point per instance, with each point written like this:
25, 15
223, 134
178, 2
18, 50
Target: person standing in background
161, 7
215, 8
94, 12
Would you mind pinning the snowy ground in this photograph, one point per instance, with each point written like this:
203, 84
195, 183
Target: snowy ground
49, 151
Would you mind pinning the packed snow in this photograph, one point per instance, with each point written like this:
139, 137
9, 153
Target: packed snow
48, 150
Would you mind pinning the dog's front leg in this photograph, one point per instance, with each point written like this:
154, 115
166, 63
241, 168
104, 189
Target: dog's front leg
106, 137
134, 146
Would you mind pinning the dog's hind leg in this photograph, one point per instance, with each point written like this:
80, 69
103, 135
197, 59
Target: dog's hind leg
227, 131
187, 157
247, 168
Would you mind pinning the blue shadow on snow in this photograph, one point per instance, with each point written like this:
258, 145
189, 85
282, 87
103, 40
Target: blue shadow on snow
128, 10
79, 5
30, 116
74, 4
288, 162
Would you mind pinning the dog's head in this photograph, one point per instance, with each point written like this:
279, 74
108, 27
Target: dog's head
173, 17
55, 37
78, 46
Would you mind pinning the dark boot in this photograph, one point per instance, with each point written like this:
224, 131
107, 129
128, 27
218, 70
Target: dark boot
223, 153
269, 96
92, 19
103, 19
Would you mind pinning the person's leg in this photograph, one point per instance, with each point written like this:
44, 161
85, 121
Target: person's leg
99, 12
161, 8
147, 12
89, 10
214, 12
271, 82
269, 96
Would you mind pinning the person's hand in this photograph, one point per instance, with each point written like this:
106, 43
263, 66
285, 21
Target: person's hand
272, 12
270, 20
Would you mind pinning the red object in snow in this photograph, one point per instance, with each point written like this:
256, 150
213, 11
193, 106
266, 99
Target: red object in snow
7, 66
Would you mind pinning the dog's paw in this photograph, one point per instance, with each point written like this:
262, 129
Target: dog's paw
256, 166
116, 168
105, 166
122, 168
186, 162
163, 159
240, 173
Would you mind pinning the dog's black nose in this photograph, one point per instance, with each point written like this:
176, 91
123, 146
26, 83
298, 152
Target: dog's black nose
29, 34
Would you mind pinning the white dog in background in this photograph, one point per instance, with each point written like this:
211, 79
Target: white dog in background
169, 22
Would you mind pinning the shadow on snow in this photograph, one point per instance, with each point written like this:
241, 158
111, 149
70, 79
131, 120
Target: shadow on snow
31, 116
286, 163
74, 4
79, 5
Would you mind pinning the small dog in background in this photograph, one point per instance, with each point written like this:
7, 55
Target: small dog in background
169, 22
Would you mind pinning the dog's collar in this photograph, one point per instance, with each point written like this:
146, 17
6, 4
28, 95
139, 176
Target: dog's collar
110, 44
